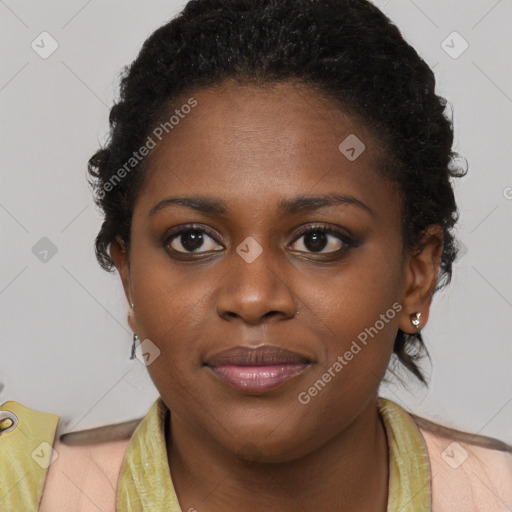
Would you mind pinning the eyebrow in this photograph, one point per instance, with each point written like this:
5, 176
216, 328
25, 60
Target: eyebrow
215, 206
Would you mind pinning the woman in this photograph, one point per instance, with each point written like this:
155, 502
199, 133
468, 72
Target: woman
278, 204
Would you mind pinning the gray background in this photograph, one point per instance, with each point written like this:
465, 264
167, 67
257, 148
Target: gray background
65, 342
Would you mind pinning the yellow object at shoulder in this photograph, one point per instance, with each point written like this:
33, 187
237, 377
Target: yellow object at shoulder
26, 450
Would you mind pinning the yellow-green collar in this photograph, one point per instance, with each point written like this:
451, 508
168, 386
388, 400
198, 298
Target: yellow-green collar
409, 465
145, 481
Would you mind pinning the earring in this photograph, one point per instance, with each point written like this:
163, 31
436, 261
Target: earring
415, 320
135, 339
132, 305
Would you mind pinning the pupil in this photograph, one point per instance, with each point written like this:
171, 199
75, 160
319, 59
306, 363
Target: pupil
192, 240
319, 241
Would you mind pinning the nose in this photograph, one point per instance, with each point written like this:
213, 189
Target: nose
255, 290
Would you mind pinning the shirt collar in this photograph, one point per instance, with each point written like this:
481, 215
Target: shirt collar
145, 481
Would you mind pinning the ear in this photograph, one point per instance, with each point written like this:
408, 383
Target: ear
119, 256
421, 269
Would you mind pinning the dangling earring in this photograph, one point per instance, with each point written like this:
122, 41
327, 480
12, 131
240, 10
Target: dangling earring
135, 339
415, 320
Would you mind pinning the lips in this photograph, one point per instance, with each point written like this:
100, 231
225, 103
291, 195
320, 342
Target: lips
257, 370
264, 355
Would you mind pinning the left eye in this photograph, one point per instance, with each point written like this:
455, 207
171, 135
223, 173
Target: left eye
318, 239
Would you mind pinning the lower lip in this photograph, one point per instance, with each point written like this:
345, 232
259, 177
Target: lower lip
255, 379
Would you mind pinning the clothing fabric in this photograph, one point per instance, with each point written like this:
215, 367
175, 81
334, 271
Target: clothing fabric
145, 485
429, 469
25, 455
145, 482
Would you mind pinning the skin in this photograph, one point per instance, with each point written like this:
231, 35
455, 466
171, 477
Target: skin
252, 148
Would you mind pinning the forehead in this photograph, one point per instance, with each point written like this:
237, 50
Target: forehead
244, 142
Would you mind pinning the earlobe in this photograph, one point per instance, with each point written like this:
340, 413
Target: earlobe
421, 275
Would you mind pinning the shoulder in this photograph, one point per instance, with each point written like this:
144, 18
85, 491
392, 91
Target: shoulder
468, 471
83, 477
79, 474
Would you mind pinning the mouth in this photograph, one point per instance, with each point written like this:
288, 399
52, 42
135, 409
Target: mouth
257, 370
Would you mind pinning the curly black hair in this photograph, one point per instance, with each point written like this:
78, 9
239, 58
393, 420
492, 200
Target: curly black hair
348, 51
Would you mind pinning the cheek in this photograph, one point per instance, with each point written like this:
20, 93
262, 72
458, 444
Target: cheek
356, 311
172, 311
169, 295
357, 325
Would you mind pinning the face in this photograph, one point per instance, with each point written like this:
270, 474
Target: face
261, 263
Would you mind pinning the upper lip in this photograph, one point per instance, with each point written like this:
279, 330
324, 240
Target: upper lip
259, 356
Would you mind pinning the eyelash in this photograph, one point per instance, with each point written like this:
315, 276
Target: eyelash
347, 241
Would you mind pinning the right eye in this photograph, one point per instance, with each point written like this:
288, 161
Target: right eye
189, 240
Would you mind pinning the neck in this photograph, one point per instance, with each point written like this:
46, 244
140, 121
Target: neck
349, 472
